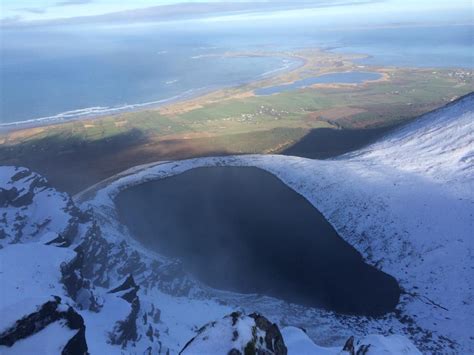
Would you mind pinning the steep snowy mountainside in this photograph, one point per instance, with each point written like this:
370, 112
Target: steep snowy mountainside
54, 294
20, 291
58, 297
73, 274
406, 203
36, 311
438, 145
298, 342
238, 333
32, 209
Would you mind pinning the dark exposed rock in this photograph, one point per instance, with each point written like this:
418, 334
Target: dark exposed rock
49, 313
38, 183
70, 232
133, 264
125, 331
98, 258
103, 258
349, 345
20, 198
23, 200
21, 174
266, 338
7, 196
273, 338
78, 287
128, 289
76, 213
128, 284
149, 333
59, 241
354, 349
171, 278
40, 226
155, 314
19, 193
77, 345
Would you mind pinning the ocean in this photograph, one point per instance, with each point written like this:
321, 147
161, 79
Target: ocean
62, 73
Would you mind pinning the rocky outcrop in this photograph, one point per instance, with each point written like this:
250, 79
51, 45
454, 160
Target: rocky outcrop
99, 256
103, 258
77, 287
273, 338
378, 344
125, 331
352, 349
59, 241
22, 196
24, 218
238, 334
48, 313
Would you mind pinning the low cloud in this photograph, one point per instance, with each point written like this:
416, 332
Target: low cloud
33, 10
182, 9
11, 20
73, 2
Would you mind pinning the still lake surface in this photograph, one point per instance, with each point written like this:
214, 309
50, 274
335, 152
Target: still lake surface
67, 72
243, 230
355, 77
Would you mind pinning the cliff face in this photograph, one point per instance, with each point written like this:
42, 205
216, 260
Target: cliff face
56, 272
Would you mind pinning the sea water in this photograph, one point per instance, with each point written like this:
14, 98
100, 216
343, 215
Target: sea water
65, 72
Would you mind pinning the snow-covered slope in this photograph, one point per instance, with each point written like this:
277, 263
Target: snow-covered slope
59, 295
32, 209
406, 203
244, 334
437, 146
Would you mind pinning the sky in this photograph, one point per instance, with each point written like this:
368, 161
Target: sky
12, 11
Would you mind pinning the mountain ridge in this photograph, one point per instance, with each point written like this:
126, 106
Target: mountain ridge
426, 247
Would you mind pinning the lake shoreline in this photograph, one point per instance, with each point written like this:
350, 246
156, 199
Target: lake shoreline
269, 269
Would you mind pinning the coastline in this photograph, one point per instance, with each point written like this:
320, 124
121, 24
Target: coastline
305, 62
95, 112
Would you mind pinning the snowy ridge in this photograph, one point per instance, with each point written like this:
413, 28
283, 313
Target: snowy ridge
438, 145
405, 203
32, 209
406, 206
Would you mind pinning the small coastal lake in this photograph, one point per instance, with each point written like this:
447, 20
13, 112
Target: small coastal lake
241, 229
355, 77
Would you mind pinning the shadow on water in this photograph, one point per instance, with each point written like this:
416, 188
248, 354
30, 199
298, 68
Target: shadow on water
242, 229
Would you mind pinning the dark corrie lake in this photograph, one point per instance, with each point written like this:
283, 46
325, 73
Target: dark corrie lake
242, 229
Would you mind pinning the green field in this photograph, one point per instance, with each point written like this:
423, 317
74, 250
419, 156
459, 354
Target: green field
232, 123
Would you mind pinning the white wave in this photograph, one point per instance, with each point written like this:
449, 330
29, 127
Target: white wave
169, 82
200, 56
287, 65
277, 70
96, 111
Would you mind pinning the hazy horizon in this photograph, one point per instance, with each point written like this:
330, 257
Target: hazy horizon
28, 12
